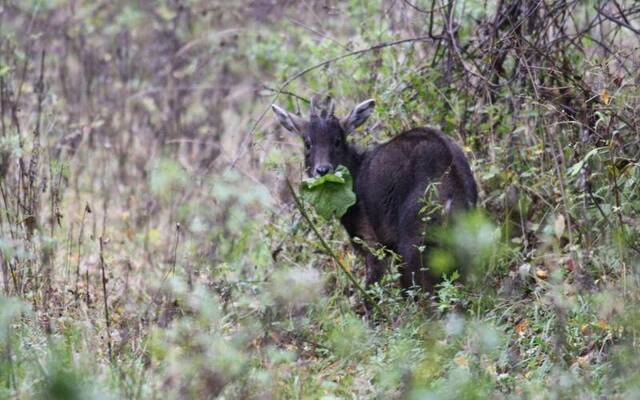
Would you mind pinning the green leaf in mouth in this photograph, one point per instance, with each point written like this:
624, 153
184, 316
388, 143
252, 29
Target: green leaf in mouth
330, 194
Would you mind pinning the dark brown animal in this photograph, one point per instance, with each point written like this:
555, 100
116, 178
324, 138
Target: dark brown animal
390, 179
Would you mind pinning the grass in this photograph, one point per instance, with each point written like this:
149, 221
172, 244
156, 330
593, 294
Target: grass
149, 247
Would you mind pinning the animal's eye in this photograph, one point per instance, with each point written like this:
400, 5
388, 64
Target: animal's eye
338, 142
307, 145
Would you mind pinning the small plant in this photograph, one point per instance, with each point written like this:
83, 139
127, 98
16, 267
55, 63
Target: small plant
450, 295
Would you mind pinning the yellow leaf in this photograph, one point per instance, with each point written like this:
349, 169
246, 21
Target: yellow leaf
583, 361
461, 361
27, 87
522, 327
584, 328
154, 237
602, 324
541, 273
345, 261
165, 12
604, 96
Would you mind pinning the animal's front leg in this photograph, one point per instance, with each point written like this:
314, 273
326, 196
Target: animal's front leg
375, 269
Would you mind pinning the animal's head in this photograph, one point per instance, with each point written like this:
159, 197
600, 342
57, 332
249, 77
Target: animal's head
324, 134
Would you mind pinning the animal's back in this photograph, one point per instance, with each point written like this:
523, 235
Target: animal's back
394, 177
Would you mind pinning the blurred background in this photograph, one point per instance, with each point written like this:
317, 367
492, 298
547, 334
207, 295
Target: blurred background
149, 247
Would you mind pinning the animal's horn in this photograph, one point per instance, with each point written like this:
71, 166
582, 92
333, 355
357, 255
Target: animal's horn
312, 110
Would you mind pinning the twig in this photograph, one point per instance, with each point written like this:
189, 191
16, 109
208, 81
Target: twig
8, 356
87, 210
303, 99
6, 210
104, 295
330, 252
617, 21
415, 7
175, 249
315, 32
2, 109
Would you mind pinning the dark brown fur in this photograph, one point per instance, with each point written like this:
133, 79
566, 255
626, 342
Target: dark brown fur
390, 179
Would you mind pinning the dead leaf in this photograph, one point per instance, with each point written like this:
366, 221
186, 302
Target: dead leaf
583, 361
522, 327
559, 226
604, 96
541, 273
584, 329
571, 265
618, 80
461, 361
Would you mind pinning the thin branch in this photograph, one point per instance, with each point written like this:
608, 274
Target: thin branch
303, 99
330, 252
104, 295
618, 22
316, 32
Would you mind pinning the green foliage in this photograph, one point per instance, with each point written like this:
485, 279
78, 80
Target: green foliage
196, 350
62, 383
296, 287
167, 177
215, 288
331, 194
9, 311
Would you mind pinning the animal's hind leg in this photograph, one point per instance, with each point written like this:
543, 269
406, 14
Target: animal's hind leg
411, 236
375, 269
413, 269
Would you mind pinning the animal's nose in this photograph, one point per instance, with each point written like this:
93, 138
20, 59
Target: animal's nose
323, 169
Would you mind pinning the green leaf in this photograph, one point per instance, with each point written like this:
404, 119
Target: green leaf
330, 194
4, 70
577, 167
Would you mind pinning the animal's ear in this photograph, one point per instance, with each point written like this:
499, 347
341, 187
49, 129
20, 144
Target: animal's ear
290, 122
357, 116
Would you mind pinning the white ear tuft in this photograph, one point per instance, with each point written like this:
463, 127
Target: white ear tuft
289, 121
358, 115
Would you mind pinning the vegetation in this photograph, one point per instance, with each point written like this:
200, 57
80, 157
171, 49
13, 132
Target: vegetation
150, 246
